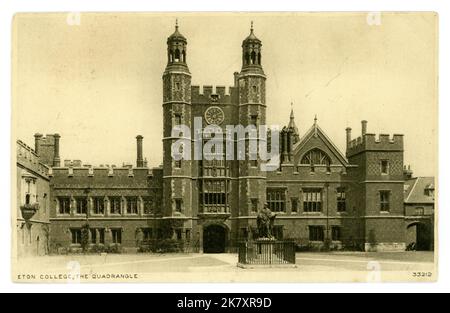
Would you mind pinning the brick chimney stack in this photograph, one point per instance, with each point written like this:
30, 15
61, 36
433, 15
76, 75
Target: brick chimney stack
56, 158
363, 128
37, 139
140, 159
348, 131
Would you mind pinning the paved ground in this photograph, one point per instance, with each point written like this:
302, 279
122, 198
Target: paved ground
223, 266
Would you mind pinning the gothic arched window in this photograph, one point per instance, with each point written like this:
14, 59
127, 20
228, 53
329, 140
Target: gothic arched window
247, 58
184, 56
259, 58
177, 55
316, 157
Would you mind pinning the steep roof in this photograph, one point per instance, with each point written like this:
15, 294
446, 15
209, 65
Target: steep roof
251, 38
415, 190
294, 127
176, 36
316, 131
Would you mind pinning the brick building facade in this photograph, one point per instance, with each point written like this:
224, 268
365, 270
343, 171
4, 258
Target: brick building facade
33, 203
322, 197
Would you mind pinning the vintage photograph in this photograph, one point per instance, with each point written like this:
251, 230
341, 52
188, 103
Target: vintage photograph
224, 147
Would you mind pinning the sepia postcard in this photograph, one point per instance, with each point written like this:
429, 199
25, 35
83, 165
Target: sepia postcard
224, 147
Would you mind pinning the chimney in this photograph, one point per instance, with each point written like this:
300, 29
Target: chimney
363, 128
236, 76
140, 159
407, 172
37, 139
56, 158
348, 131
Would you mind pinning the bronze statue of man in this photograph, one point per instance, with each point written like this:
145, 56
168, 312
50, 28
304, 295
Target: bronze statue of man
265, 221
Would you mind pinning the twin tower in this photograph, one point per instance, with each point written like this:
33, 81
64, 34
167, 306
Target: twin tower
212, 188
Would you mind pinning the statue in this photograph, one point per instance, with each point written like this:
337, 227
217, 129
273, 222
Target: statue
265, 222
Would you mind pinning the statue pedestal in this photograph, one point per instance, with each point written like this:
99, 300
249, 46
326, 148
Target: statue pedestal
266, 253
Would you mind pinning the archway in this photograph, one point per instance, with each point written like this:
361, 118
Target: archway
214, 239
419, 237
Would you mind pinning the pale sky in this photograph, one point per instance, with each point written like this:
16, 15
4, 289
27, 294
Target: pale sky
98, 84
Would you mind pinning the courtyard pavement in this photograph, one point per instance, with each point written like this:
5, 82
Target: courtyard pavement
337, 266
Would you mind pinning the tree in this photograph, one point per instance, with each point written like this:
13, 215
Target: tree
85, 237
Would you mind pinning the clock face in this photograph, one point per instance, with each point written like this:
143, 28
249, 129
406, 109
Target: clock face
214, 115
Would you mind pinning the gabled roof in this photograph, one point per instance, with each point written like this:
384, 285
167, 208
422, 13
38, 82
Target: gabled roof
316, 131
415, 190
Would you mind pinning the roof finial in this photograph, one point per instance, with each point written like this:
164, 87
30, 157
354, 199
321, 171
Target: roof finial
315, 126
292, 110
176, 24
251, 26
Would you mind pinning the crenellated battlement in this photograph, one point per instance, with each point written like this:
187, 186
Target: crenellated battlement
86, 171
25, 150
370, 142
28, 157
48, 140
209, 94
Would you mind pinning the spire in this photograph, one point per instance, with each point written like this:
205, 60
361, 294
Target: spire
292, 126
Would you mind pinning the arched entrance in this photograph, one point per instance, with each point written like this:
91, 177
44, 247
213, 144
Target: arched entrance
419, 237
214, 239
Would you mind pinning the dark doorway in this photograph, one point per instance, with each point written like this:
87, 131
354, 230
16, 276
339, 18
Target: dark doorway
421, 237
214, 239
